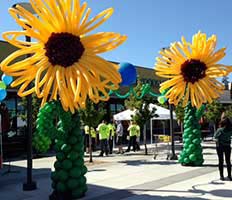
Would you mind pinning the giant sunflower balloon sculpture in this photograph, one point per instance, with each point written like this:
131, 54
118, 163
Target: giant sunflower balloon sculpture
191, 70
63, 65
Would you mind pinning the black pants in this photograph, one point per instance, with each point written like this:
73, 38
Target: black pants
104, 147
137, 146
86, 141
93, 144
132, 142
111, 141
221, 150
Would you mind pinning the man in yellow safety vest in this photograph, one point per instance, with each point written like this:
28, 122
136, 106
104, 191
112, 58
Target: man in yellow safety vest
133, 133
111, 136
103, 131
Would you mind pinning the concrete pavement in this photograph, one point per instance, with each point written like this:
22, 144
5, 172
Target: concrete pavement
132, 176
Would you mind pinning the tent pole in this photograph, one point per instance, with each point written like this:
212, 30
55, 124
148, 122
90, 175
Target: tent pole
151, 130
163, 124
173, 155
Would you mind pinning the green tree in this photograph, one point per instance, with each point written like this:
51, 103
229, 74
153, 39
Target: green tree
143, 111
133, 101
226, 82
213, 112
91, 116
36, 102
228, 111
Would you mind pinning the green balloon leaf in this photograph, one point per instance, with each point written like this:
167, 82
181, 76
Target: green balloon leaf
2, 85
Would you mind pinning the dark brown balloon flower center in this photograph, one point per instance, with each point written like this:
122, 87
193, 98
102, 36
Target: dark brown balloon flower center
64, 49
193, 70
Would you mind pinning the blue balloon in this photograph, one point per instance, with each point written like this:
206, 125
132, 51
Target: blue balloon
2, 94
7, 79
128, 74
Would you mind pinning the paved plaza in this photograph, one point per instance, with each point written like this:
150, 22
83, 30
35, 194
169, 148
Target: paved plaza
132, 176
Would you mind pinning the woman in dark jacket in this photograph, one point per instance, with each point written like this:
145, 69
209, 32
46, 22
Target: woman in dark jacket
223, 141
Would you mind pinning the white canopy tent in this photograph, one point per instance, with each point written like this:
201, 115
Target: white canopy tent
124, 115
163, 114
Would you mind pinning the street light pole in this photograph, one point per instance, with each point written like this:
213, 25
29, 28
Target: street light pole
173, 156
30, 184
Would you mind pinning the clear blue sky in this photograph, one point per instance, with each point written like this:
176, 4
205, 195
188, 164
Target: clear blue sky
153, 24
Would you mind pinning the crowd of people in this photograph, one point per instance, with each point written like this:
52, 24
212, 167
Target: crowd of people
110, 135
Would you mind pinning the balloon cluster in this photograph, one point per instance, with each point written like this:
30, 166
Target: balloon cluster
128, 74
191, 155
41, 143
53, 123
6, 80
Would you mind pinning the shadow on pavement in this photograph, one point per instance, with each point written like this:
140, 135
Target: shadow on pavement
149, 197
209, 165
221, 193
96, 192
209, 147
97, 170
112, 194
145, 162
15, 175
23, 156
208, 153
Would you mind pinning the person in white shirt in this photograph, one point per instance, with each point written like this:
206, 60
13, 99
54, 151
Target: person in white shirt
119, 134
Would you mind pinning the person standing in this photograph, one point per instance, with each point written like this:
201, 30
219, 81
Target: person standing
103, 131
93, 138
133, 130
86, 129
137, 138
119, 134
223, 141
111, 137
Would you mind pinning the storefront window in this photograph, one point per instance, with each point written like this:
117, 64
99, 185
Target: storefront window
116, 108
112, 109
11, 121
119, 107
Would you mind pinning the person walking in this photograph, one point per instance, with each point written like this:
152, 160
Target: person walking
119, 134
103, 131
223, 141
111, 137
133, 130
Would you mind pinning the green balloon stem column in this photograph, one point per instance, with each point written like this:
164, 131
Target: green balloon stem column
191, 154
53, 123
